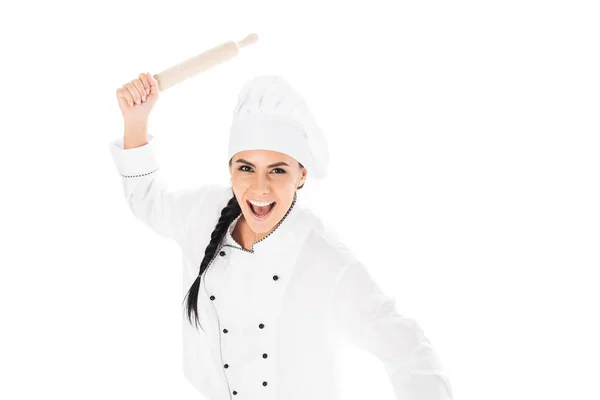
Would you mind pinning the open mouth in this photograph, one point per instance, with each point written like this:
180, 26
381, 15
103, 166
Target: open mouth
261, 213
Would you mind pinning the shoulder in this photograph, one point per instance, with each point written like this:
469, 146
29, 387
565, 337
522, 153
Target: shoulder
324, 240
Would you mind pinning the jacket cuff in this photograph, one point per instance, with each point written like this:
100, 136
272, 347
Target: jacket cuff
134, 162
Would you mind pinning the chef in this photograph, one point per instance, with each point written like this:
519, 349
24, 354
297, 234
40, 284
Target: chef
269, 291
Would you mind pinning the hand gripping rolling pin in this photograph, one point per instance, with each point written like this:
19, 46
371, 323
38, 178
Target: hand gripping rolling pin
203, 61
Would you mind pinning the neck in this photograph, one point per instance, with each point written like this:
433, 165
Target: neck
244, 235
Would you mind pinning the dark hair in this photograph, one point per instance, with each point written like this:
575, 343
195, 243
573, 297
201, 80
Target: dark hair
228, 214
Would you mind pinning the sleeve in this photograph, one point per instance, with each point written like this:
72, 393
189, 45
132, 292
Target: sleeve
165, 211
367, 318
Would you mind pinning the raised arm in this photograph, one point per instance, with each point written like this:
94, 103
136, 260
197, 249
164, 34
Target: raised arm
166, 211
367, 317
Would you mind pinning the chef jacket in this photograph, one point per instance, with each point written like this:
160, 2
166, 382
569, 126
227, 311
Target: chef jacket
272, 315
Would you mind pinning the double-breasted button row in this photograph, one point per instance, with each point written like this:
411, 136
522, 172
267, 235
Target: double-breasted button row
264, 355
260, 326
235, 392
275, 277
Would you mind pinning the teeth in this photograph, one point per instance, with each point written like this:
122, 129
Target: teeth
260, 203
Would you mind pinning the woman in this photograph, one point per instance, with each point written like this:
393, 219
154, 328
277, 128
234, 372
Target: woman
269, 291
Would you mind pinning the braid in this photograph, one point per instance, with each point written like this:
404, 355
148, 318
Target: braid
228, 214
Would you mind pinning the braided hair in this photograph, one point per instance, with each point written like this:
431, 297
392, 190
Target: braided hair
228, 214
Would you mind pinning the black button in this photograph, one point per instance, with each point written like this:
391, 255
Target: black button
222, 253
212, 297
265, 383
234, 392
261, 326
275, 277
226, 365
225, 331
265, 355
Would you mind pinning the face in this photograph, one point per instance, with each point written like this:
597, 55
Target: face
265, 176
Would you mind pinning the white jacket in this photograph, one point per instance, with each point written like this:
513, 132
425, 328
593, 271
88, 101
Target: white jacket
271, 328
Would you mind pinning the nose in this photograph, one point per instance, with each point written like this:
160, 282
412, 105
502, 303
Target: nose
261, 184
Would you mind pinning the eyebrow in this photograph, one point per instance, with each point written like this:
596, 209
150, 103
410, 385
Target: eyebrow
277, 164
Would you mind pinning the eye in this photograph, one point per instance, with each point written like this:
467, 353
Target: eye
246, 166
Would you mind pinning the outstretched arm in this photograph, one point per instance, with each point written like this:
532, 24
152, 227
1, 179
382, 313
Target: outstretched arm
367, 317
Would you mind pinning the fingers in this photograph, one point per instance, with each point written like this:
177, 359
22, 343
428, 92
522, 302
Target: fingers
139, 85
146, 83
153, 84
136, 91
122, 92
135, 95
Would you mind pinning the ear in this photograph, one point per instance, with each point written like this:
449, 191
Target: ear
304, 174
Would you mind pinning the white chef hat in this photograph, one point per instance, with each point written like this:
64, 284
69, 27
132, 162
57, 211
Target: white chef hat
271, 115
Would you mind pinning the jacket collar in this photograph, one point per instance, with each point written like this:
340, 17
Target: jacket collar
283, 231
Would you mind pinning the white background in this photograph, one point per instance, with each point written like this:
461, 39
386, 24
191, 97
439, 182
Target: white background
464, 140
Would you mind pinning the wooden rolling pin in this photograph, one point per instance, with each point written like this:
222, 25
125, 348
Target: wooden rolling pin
203, 61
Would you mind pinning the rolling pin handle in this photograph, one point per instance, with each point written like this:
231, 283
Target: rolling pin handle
248, 40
